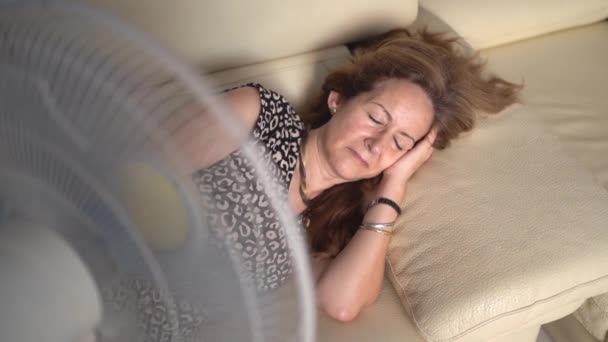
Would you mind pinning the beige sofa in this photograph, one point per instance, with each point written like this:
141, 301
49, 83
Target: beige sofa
529, 249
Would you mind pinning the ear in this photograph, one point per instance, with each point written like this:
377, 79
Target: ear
333, 100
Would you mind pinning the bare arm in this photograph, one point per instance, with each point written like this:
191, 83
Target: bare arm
201, 137
353, 279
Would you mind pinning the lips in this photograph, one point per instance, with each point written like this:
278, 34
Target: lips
359, 158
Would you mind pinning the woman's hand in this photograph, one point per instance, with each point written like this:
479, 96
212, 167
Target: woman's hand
397, 175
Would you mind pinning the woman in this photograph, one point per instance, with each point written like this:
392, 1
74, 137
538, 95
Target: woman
377, 120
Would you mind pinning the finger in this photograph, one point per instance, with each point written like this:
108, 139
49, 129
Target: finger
421, 153
429, 140
427, 149
432, 135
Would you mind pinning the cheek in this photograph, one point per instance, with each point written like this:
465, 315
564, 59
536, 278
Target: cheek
350, 130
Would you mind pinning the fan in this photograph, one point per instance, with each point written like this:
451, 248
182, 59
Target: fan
104, 233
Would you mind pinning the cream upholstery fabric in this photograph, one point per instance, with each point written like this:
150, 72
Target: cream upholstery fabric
566, 82
298, 78
593, 314
486, 23
501, 231
433, 23
387, 321
229, 33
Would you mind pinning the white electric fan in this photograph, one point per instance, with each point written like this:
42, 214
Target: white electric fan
103, 232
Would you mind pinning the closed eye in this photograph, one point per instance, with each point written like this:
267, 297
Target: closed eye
374, 119
397, 144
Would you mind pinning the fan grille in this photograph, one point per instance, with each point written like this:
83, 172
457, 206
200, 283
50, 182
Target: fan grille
81, 96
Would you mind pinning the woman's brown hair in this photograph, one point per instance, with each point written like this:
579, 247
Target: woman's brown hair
453, 79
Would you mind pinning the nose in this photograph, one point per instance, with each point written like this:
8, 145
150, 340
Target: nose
375, 144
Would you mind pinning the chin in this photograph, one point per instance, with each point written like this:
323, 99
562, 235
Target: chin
351, 172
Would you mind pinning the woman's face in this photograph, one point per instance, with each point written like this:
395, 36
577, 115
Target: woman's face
371, 131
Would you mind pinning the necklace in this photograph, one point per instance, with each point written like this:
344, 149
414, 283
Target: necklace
305, 198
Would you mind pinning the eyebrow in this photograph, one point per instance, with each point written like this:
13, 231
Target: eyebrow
391, 118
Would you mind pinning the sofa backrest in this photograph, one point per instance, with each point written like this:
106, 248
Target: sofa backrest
488, 23
222, 34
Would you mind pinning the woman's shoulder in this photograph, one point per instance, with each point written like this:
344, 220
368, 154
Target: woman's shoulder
275, 112
265, 96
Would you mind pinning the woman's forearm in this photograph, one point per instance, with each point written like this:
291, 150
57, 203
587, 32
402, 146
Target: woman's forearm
353, 279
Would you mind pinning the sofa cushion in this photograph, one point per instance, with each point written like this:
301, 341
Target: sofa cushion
489, 23
298, 78
501, 231
572, 103
224, 34
566, 77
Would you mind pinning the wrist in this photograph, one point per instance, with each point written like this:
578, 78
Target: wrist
395, 193
380, 214
385, 201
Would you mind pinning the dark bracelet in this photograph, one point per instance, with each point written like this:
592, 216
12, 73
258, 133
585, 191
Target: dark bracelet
384, 200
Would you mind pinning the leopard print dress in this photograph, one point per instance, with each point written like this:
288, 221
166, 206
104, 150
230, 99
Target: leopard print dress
242, 218
235, 199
